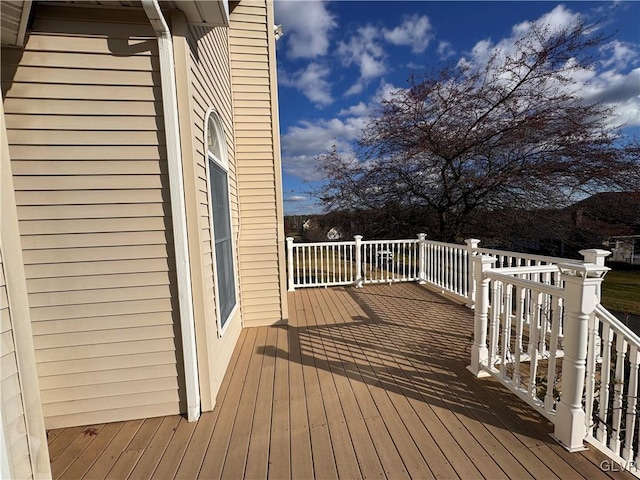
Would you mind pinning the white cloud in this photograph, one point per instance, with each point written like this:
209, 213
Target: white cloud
616, 86
445, 49
296, 198
618, 90
311, 81
365, 51
385, 92
302, 144
307, 26
360, 110
415, 31
622, 54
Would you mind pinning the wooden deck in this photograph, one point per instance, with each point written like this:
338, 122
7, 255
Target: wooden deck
366, 383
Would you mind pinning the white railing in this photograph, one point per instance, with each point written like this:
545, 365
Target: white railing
538, 326
387, 261
524, 332
541, 331
611, 390
446, 266
321, 264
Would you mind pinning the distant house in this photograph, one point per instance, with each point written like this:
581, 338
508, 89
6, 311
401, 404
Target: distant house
625, 249
141, 213
333, 234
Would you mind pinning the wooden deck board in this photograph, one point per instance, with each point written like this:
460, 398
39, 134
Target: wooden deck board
80, 465
214, 458
301, 458
362, 383
105, 462
75, 448
172, 456
279, 462
258, 454
152, 455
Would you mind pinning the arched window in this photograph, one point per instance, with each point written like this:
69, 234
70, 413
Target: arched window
221, 229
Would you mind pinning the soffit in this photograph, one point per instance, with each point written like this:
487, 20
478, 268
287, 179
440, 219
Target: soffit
14, 16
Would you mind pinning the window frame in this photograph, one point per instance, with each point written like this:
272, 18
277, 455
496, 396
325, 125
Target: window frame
223, 163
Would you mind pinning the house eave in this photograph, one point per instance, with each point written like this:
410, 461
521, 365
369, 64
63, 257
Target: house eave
15, 17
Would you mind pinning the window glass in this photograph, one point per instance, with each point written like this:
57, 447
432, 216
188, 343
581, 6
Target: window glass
222, 233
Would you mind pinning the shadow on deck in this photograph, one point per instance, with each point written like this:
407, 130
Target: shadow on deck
361, 383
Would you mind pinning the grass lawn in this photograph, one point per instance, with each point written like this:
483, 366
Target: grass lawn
621, 292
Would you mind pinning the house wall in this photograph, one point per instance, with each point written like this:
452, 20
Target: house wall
13, 418
22, 434
84, 123
254, 87
203, 83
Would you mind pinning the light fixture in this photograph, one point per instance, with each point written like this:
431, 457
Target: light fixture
277, 31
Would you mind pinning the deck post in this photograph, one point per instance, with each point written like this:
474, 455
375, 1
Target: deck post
472, 246
479, 351
422, 258
359, 281
290, 264
582, 283
596, 256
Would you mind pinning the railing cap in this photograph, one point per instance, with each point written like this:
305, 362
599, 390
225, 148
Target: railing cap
484, 259
583, 270
595, 255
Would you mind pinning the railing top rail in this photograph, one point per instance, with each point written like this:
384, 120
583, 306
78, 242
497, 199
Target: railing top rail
521, 282
445, 244
527, 269
541, 258
321, 244
404, 241
630, 336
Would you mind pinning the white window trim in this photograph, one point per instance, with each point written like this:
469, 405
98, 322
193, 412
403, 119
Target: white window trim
224, 164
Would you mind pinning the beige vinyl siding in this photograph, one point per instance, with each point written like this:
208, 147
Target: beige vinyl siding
12, 404
257, 152
202, 63
84, 118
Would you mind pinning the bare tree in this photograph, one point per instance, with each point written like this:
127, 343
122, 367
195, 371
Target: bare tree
512, 130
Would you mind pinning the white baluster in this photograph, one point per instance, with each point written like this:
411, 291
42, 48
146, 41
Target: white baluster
632, 402
518, 340
605, 377
534, 332
549, 399
621, 353
590, 380
494, 324
506, 329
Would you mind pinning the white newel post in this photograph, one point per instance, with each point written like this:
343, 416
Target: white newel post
359, 280
479, 351
581, 285
422, 260
597, 257
290, 263
472, 246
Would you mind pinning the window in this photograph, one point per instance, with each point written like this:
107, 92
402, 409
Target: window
222, 237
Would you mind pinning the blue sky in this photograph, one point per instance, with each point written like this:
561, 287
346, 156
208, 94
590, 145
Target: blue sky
338, 59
